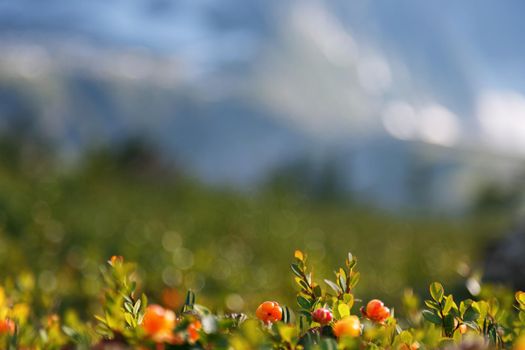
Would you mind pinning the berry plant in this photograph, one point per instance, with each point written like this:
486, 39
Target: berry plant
328, 315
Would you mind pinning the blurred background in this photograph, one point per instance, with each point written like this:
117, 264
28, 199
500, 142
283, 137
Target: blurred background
207, 140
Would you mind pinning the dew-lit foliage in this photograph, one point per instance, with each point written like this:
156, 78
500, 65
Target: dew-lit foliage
328, 314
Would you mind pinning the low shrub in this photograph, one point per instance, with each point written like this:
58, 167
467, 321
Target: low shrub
324, 318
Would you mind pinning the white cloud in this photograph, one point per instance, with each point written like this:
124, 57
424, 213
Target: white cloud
321, 77
330, 82
314, 21
501, 115
374, 74
438, 125
400, 120
432, 123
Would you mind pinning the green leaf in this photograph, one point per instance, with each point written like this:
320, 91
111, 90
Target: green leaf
128, 307
432, 305
309, 278
101, 319
190, 300
492, 334
342, 282
343, 310
318, 292
129, 319
286, 314
297, 270
328, 344
462, 307
448, 324
472, 325
304, 285
470, 314
305, 313
431, 317
136, 308
305, 304
449, 302
287, 332
349, 299
481, 307
302, 323
406, 337
43, 336
334, 286
493, 306
70, 332
437, 291
457, 336
520, 298
354, 279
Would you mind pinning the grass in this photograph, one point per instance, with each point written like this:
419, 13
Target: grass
221, 244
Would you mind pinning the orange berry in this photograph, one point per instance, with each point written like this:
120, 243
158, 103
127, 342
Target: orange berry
193, 331
413, 346
158, 323
269, 312
462, 328
348, 326
52, 320
377, 311
116, 259
519, 344
7, 326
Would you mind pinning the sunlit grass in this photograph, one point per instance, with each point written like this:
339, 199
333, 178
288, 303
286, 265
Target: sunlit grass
218, 243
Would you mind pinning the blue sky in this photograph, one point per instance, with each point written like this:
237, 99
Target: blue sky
459, 61
220, 81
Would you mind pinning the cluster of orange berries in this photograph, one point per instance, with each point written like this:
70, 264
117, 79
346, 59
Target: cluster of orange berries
271, 312
159, 323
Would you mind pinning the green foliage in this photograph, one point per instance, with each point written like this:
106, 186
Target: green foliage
60, 223
128, 322
123, 312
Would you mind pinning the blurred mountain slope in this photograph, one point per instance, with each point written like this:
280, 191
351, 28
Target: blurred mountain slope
235, 91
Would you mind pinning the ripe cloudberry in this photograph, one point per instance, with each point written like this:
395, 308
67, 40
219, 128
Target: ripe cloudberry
116, 260
462, 328
269, 312
322, 316
7, 326
193, 331
376, 311
348, 326
158, 323
413, 346
519, 344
